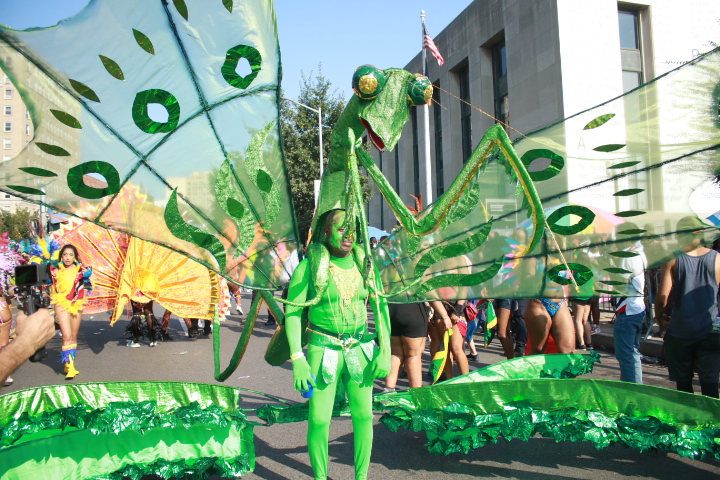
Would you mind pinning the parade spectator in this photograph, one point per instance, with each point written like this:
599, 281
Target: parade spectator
408, 334
33, 333
692, 340
5, 324
630, 310
547, 315
503, 310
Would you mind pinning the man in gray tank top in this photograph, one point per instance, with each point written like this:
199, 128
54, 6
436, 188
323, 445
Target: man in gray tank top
692, 340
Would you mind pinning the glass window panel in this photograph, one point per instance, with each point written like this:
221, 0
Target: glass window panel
630, 80
628, 29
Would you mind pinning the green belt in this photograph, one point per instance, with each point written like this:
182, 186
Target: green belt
321, 337
344, 344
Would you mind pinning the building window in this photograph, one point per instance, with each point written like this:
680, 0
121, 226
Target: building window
7, 195
7, 143
27, 129
437, 119
630, 50
6, 158
8, 127
500, 84
6, 208
8, 93
27, 114
8, 110
465, 112
416, 150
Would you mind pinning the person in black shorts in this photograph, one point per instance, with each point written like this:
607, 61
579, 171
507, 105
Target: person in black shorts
692, 340
408, 334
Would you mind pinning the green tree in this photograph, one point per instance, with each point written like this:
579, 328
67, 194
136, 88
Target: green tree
18, 224
300, 136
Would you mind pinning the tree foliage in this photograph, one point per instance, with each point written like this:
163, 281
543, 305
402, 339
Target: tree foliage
300, 135
19, 225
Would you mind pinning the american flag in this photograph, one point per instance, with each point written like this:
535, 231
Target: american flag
429, 44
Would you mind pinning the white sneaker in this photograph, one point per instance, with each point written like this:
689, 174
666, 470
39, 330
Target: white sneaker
152, 344
132, 344
239, 309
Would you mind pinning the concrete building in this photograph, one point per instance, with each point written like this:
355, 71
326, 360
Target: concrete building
17, 131
531, 64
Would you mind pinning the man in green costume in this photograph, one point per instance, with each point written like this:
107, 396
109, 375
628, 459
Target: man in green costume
340, 348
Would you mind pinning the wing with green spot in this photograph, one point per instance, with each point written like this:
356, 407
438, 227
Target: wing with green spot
136, 97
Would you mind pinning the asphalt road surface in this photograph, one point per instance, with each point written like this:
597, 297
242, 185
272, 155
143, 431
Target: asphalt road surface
281, 449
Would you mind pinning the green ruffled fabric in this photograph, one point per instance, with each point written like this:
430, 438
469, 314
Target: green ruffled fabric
459, 418
568, 365
536, 366
197, 469
125, 429
118, 417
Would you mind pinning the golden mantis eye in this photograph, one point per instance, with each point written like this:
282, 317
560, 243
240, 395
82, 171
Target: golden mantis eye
420, 91
368, 82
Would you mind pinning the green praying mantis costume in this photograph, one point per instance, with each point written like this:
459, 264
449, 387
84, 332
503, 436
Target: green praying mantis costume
340, 349
337, 277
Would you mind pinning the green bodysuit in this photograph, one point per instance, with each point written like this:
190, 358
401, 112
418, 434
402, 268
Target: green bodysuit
339, 348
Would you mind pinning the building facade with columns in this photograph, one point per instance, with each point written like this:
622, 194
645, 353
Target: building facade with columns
530, 65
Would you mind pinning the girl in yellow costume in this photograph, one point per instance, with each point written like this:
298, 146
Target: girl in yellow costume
68, 296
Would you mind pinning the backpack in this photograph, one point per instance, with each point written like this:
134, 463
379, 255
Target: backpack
470, 311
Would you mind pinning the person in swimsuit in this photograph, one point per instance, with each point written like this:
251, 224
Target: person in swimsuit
547, 315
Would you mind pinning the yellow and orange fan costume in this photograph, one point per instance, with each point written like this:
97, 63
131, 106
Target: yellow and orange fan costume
125, 269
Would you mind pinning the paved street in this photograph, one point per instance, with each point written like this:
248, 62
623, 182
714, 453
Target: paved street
280, 449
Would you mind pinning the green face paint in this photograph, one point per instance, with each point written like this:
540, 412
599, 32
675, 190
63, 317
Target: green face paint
340, 235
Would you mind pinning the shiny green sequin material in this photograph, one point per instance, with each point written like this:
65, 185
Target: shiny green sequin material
40, 172
143, 41
556, 163
192, 234
586, 218
112, 67
140, 111
232, 199
581, 273
256, 169
66, 118
598, 121
453, 250
234, 55
28, 190
52, 149
84, 90
77, 184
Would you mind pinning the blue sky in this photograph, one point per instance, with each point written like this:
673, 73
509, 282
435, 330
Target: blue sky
339, 34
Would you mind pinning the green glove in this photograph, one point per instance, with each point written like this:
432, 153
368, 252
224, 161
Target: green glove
381, 366
301, 374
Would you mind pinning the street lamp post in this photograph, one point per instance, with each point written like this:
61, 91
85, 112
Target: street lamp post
319, 112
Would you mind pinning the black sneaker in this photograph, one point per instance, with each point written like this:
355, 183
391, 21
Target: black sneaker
270, 322
473, 357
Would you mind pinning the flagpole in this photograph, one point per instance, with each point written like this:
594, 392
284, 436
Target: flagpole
426, 121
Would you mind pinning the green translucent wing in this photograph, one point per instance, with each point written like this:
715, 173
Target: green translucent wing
175, 101
613, 182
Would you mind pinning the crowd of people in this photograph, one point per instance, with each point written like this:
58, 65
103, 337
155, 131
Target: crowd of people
682, 292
